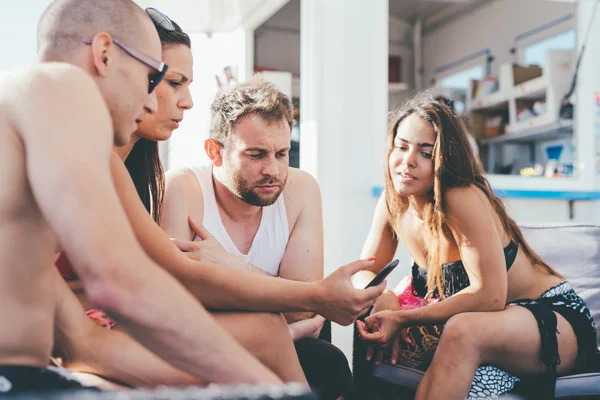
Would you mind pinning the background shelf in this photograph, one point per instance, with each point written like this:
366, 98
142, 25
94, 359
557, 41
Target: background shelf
549, 131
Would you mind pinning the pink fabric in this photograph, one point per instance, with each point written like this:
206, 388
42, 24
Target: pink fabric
406, 298
100, 317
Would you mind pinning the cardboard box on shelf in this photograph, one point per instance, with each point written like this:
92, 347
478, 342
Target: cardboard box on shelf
525, 73
486, 125
494, 126
489, 122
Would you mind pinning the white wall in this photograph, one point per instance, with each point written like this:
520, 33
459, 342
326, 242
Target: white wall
186, 146
18, 32
494, 25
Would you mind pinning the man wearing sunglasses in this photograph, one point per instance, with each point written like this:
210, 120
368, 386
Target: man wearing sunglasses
99, 64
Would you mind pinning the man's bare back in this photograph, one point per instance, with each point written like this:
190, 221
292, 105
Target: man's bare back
28, 246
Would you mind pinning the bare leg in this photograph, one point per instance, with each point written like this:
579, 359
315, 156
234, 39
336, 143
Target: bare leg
91, 380
508, 339
265, 336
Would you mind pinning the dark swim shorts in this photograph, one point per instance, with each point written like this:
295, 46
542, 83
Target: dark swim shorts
26, 379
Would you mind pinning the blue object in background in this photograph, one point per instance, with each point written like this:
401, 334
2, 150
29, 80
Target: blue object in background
554, 152
376, 191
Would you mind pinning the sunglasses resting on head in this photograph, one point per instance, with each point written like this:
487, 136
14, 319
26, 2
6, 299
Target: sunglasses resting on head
160, 68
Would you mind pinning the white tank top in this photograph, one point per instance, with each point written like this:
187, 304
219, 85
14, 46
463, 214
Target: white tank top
270, 241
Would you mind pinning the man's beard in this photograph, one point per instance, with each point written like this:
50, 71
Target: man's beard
241, 189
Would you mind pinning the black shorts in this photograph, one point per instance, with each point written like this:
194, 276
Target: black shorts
562, 299
25, 379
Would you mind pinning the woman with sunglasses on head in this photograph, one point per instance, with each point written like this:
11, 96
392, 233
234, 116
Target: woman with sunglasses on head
263, 335
511, 322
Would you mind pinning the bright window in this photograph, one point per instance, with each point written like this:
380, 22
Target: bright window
455, 86
535, 53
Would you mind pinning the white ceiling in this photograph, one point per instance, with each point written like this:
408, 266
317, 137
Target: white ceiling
288, 17
210, 16
410, 10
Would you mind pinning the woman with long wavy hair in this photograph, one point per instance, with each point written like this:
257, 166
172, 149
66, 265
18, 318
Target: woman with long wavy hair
439, 204
141, 155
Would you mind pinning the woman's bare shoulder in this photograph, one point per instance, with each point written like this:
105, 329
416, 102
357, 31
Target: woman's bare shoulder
465, 199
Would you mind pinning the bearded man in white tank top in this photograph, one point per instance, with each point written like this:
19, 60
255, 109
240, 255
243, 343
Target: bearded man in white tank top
249, 210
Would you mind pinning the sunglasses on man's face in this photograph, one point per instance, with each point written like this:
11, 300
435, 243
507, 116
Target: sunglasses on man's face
158, 66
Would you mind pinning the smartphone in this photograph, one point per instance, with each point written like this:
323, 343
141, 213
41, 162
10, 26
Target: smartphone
377, 280
383, 273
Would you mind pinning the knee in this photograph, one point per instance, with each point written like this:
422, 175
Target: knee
276, 324
266, 335
275, 329
460, 333
273, 321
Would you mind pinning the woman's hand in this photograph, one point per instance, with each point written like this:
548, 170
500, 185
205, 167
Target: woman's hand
385, 328
209, 250
379, 327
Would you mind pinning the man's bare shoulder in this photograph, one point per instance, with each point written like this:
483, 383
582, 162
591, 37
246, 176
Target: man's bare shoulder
183, 199
40, 75
182, 180
182, 187
59, 82
300, 181
301, 190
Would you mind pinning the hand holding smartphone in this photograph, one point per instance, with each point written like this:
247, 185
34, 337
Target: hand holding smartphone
377, 280
383, 274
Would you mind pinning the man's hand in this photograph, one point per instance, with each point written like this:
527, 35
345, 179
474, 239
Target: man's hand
209, 250
341, 301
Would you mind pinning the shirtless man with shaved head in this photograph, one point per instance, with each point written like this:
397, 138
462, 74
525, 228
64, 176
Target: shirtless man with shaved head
100, 61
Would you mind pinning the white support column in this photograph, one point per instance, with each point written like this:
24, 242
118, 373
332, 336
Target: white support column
418, 51
344, 96
587, 110
246, 69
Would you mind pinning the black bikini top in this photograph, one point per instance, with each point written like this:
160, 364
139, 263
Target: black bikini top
510, 254
454, 274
